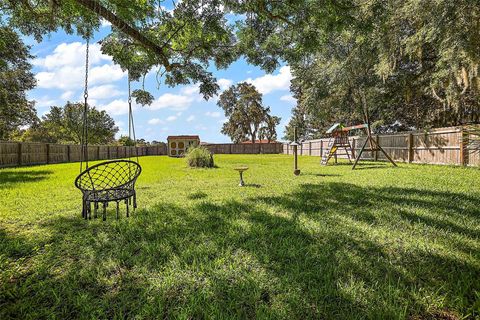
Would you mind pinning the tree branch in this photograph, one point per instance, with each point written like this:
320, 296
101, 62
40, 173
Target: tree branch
100, 10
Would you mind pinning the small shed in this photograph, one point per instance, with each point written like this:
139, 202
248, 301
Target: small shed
177, 145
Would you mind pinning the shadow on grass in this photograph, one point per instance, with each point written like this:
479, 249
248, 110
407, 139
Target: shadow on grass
252, 185
10, 178
197, 195
319, 174
368, 166
330, 251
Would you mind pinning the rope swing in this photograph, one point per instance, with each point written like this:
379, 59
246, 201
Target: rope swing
109, 181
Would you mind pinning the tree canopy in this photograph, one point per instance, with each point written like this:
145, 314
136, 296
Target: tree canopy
248, 119
15, 80
64, 125
411, 61
180, 44
416, 62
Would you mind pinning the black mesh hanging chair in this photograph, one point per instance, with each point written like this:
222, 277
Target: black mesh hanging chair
109, 181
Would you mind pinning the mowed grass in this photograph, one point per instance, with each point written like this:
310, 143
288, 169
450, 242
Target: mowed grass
332, 243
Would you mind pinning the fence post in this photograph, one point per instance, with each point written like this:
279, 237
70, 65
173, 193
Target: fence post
309, 148
48, 152
20, 147
410, 147
321, 149
463, 147
376, 149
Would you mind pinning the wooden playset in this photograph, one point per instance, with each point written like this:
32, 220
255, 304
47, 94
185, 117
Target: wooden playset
339, 139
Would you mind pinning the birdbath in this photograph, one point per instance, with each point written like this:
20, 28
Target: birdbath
241, 170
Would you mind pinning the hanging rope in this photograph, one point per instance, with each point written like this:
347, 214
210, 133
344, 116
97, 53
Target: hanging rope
84, 140
131, 125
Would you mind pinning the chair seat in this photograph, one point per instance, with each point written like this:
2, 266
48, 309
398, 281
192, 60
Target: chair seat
109, 195
108, 181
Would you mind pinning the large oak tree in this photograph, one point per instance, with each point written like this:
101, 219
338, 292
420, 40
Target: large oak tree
15, 80
247, 117
64, 125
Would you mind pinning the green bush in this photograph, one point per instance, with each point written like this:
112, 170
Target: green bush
199, 157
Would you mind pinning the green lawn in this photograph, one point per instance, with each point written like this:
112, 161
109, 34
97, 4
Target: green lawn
332, 243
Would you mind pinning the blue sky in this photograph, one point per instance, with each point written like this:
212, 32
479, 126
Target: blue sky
59, 68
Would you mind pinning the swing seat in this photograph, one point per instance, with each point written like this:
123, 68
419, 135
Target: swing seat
109, 181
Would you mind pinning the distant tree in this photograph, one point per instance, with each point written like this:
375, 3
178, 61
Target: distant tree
300, 121
142, 142
247, 117
125, 141
269, 131
15, 80
65, 125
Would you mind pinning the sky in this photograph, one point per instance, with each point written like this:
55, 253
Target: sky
59, 67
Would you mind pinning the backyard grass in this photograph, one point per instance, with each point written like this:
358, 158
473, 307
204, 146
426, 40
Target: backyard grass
332, 243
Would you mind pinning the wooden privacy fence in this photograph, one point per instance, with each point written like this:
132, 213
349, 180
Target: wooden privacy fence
245, 148
29, 153
452, 145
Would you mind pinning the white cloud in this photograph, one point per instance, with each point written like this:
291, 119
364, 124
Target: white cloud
117, 107
106, 74
190, 90
104, 92
121, 129
106, 23
171, 101
191, 118
45, 102
65, 67
155, 121
269, 82
288, 98
214, 114
224, 83
172, 118
71, 54
67, 95
70, 78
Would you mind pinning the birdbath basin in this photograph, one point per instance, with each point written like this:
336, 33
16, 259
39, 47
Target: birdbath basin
241, 170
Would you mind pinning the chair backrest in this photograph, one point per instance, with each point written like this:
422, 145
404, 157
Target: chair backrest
109, 175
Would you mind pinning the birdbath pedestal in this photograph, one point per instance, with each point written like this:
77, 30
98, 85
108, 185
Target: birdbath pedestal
241, 170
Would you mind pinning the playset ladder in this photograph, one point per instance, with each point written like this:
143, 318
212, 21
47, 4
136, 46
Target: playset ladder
332, 148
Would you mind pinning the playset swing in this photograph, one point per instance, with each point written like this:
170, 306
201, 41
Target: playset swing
109, 181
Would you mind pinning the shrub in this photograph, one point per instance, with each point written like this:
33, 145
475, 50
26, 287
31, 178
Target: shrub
199, 157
